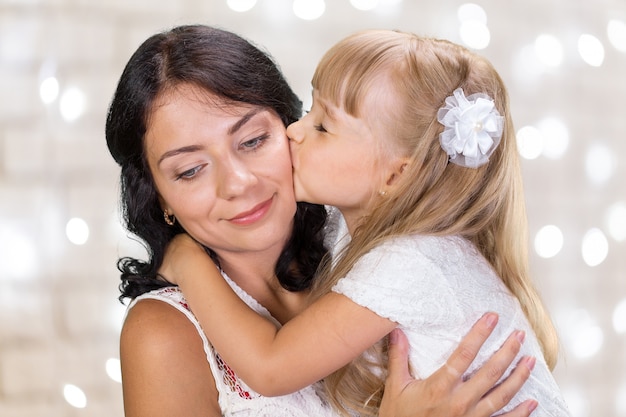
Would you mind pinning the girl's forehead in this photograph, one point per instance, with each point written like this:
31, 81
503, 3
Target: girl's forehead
326, 105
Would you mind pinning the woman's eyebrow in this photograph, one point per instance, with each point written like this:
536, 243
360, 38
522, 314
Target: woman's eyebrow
243, 120
178, 151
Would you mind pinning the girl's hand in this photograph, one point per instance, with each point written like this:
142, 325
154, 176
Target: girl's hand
182, 253
445, 393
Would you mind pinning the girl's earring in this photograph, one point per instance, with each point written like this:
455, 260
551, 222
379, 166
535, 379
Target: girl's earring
170, 220
382, 193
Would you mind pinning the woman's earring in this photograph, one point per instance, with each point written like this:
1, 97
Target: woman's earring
170, 220
382, 193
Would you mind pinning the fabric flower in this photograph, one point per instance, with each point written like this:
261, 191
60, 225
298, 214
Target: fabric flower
473, 128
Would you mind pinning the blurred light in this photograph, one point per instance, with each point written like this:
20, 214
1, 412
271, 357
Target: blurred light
595, 247
555, 137
589, 341
72, 104
309, 9
526, 66
470, 11
475, 34
77, 231
616, 31
581, 334
241, 5
549, 50
113, 369
18, 254
74, 396
599, 164
364, 4
616, 221
591, 50
529, 142
619, 317
49, 90
548, 241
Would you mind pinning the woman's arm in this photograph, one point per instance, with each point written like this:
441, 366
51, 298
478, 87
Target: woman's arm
164, 368
445, 393
323, 338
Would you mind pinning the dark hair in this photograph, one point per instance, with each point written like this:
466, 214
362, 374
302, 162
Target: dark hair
232, 68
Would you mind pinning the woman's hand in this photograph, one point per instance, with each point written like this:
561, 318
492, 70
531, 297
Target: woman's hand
445, 393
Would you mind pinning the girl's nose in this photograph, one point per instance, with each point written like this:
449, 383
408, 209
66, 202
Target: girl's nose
295, 132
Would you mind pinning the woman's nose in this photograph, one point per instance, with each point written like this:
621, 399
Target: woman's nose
235, 179
295, 132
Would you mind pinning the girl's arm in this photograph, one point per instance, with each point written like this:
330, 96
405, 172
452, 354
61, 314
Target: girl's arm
323, 338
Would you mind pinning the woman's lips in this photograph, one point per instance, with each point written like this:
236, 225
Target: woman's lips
252, 216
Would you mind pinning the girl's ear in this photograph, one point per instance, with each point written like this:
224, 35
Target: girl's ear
399, 168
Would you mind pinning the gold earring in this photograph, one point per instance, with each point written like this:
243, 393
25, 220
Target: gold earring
170, 220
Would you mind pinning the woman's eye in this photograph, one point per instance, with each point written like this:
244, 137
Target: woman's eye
320, 128
188, 174
255, 143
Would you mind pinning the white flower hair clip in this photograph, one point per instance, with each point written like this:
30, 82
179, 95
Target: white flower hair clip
473, 128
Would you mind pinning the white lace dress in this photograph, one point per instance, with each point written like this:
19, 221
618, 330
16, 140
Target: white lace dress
234, 396
436, 288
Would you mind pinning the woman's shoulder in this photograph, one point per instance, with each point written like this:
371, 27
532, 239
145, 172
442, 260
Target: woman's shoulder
156, 328
158, 345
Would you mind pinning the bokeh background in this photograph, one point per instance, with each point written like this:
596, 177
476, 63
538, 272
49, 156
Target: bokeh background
563, 60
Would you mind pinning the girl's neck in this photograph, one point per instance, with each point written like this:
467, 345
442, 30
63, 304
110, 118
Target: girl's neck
352, 218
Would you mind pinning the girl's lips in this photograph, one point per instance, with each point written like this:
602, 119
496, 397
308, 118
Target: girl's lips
251, 216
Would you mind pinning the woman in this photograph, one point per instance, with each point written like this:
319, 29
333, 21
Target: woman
197, 125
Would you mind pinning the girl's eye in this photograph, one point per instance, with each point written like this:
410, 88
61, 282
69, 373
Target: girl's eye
256, 143
188, 174
320, 128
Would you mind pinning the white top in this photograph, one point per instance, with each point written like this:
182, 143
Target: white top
234, 396
436, 288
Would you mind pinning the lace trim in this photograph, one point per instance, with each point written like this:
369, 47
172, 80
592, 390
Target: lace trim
230, 378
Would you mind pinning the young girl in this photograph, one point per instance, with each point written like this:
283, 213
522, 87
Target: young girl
412, 140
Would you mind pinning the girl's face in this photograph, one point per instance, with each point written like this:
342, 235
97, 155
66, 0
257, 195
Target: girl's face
337, 158
223, 170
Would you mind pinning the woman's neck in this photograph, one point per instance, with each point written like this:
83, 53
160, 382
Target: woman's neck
255, 274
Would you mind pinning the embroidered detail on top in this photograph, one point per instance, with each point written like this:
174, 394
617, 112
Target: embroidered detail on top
175, 290
230, 378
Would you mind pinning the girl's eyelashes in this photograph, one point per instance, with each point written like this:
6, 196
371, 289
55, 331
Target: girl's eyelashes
320, 128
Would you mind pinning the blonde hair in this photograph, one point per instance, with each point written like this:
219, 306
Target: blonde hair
432, 197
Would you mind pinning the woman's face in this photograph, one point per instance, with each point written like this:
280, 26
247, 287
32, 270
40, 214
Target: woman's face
223, 170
